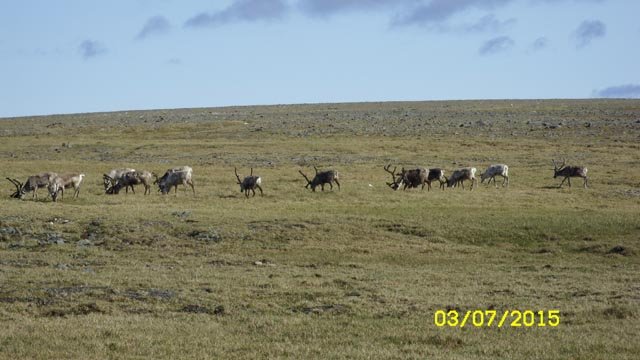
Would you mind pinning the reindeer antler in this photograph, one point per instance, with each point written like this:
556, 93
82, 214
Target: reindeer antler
18, 186
237, 176
316, 169
392, 172
306, 178
14, 182
394, 177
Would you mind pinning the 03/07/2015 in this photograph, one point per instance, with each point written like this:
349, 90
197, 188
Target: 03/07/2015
488, 318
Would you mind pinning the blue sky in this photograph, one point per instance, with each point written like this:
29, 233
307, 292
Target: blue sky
73, 56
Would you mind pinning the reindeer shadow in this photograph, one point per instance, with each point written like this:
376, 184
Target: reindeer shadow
550, 187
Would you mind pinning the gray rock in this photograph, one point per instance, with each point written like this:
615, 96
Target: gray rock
52, 239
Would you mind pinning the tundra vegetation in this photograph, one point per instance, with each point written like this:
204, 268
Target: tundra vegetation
355, 273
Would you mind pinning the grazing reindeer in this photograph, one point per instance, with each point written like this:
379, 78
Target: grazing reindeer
112, 177
396, 179
460, 175
415, 177
493, 171
568, 172
409, 178
174, 177
321, 178
18, 193
249, 183
33, 183
55, 187
129, 179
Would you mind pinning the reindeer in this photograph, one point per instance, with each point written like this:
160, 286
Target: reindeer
249, 183
493, 171
321, 178
112, 177
33, 183
72, 180
55, 187
436, 174
409, 178
129, 179
568, 172
460, 175
415, 177
174, 177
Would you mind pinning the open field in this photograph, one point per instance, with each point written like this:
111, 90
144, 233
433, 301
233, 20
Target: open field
355, 273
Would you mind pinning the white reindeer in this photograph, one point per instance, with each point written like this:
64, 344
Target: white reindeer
493, 171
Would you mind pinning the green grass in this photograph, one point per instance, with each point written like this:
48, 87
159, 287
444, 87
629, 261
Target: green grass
355, 273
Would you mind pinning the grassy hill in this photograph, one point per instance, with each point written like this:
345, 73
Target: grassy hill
355, 273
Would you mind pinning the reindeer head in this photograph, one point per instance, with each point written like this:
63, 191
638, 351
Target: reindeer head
557, 169
306, 178
110, 183
313, 183
244, 184
55, 187
107, 182
396, 179
20, 191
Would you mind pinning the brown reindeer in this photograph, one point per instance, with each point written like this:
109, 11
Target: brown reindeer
33, 183
250, 182
568, 172
415, 177
321, 178
406, 178
459, 176
112, 177
129, 179
174, 177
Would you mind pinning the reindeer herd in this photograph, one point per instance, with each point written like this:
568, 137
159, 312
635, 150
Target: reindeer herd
117, 179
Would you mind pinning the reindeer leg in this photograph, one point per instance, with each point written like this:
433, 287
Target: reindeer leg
192, 188
337, 183
254, 192
259, 188
569, 181
563, 180
585, 182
